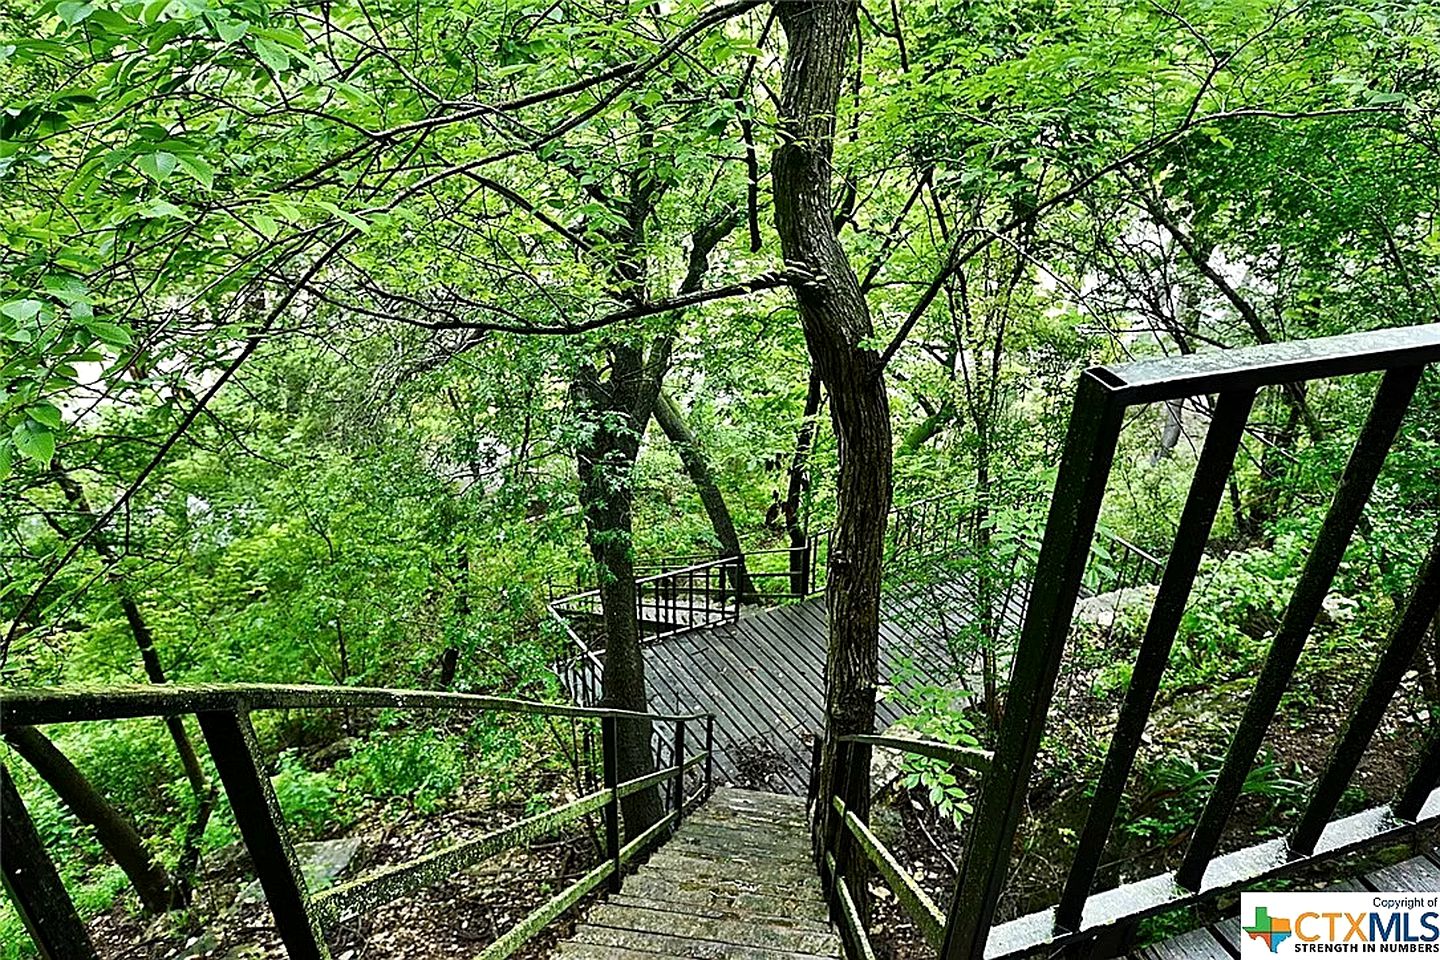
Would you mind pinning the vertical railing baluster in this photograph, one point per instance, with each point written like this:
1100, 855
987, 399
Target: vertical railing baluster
233, 747
1405, 639
1351, 495
1193, 533
1079, 489
1422, 782
610, 763
709, 754
34, 885
679, 771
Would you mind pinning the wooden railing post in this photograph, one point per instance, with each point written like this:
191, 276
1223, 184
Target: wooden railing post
34, 885
709, 755
679, 771
610, 761
233, 747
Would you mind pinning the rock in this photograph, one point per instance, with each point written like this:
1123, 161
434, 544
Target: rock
332, 753
885, 763
322, 864
200, 946
1104, 609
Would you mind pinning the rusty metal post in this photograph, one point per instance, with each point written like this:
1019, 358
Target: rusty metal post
257, 812
610, 761
33, 884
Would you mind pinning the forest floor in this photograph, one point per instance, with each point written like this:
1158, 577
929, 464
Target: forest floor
456, 917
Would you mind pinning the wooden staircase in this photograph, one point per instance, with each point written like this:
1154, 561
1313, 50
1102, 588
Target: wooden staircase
736, 881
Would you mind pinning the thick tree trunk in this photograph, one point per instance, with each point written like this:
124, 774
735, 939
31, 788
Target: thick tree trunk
672, 422
836, 323
605, 464
115, 833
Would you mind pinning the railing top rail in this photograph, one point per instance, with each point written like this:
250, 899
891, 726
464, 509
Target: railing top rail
42, 705
651, 578
1270, 364
1126, 545
693, 568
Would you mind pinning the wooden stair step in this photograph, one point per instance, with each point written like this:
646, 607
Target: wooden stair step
732, 885
1416, 875
679, 947
735, 882
726, 933
754, 869
716, 911
707, 896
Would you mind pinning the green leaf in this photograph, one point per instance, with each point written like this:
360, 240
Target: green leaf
203, 173
73, 11
34, 440
265, 225
158, 166
157, 209
231, 30
22, 310
46, 413
111, 333
272, 55
7, 458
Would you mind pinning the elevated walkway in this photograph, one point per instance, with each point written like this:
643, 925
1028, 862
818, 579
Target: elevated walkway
763, 677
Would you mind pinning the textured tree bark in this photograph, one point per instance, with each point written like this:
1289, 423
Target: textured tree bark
798, 482
119, 838
617, 410
672, 422
836, 323
605, 462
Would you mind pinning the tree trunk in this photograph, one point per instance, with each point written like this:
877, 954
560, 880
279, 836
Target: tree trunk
605, 462
672, 421
139, 627
119, 838
836, 323
450, 656
618, 409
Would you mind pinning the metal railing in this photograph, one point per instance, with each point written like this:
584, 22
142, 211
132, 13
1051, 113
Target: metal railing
846, 850
302, 918
967, 929
669, 602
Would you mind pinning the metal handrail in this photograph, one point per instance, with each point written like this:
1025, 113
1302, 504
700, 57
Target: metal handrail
33, 706
301, 919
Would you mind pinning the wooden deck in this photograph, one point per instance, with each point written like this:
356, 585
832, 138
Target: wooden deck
1221, 941
763, 677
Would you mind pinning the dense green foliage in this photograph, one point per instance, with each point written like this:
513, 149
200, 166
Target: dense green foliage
295, 299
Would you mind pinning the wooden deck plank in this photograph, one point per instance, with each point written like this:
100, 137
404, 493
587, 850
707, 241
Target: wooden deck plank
763, 676
1198, 944
1416, 875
